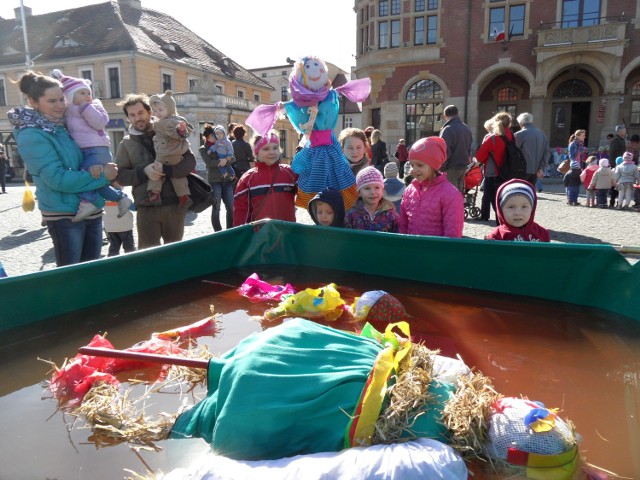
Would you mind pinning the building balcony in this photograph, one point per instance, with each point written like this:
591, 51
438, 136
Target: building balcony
609, 37
199, 100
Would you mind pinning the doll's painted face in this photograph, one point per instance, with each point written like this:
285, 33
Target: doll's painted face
314, 74
353, 149
159, 110
82, 96
324, 213
517, 210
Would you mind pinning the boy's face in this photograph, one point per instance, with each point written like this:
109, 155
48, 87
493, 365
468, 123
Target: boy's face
219, 134
82, 96
159, 110
517, 210
324, 213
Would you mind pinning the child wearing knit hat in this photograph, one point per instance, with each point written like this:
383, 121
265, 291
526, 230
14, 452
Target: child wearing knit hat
371, 211
516, 202
602, 181
431, 205
626, 176
170, 143
393, 187
586, 176
572, 183
86, 120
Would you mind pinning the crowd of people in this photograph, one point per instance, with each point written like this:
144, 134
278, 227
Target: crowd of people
62, 142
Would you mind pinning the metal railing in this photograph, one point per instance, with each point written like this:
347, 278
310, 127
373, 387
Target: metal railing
606, 32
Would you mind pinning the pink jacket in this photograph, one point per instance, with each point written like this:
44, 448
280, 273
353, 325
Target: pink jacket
86, 124
432, 208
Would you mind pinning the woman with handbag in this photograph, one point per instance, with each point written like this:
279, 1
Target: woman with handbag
53, 159
221, 190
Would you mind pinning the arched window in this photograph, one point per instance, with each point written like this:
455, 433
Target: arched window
507, 98
572, 88
635, 104
423, 109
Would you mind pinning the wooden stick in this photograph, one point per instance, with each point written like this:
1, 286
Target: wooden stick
145, 357
631, 249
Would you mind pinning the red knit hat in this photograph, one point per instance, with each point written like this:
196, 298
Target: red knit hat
429, 150
71, 85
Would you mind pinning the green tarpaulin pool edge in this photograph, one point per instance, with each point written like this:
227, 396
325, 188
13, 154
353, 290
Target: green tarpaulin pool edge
588, 275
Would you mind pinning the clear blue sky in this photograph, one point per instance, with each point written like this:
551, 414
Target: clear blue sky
254, 33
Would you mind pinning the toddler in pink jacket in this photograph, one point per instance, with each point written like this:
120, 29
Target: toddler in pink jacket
431, 205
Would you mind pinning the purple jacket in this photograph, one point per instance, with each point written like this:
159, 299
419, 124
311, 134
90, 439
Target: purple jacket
86, 124
384, 220
432, 208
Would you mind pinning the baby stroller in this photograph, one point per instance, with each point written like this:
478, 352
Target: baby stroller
472, 181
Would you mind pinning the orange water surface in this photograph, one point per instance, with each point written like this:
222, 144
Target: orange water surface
584, 361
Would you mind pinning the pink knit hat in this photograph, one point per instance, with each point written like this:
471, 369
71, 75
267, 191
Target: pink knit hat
627, 157
367, 176
429, 150
71, 85
604, 162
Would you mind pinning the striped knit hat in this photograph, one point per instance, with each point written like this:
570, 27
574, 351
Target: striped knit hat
367, 176
71, 85
517, 188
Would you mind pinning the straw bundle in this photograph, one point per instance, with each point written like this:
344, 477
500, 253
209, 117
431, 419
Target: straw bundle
116, 417
407, 397
466, 414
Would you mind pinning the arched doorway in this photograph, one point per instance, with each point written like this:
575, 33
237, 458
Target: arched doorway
571, 111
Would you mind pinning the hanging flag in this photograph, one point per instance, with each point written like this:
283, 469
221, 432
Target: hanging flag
500, 36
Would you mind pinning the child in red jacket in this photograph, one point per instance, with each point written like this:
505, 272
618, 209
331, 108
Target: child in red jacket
586, 176
516, 203
267, 190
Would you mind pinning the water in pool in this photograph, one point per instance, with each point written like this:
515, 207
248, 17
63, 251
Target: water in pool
585, 361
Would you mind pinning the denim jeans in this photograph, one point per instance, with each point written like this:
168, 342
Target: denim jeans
75, 242
98, 156
572, 193
222, 192
120, 239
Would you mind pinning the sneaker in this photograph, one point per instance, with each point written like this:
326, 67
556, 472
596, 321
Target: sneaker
85, 210
124, 204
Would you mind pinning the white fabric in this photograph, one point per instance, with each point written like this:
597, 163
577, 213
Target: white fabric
419, 459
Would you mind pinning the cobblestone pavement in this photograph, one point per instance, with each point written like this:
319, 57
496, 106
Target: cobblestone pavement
25, 245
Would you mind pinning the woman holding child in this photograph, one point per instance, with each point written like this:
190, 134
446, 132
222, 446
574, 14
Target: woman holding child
53, 159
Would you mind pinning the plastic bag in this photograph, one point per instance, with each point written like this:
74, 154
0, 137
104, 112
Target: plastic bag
28, 200
322, 302
257, 290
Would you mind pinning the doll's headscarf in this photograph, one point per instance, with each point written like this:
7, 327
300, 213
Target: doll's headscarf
268, 138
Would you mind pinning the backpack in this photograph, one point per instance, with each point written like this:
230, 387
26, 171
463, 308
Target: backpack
514, 165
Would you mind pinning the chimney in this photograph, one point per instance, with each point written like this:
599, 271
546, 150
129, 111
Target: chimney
137, 4
18, 15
